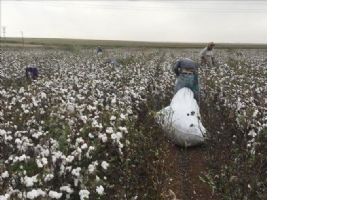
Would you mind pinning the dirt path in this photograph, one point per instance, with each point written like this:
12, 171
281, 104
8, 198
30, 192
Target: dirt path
186, 166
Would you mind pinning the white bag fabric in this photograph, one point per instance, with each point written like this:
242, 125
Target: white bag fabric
181, 121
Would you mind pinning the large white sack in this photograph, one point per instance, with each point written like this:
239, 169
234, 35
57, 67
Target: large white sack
181, 121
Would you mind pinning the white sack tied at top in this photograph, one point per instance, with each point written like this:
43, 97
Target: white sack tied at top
181, 121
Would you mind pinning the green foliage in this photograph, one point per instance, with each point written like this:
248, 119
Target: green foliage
59, 130
29, 166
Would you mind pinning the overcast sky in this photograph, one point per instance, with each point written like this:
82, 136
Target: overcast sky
180, 21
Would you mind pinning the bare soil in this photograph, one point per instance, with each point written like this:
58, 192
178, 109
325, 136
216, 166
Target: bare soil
186, 167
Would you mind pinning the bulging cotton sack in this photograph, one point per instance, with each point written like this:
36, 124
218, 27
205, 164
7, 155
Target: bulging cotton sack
181, 121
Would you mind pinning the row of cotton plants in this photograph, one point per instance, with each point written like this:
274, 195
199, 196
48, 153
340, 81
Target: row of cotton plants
237, 110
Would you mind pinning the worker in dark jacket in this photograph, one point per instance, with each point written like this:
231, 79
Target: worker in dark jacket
31, 72
187, 76
99, 50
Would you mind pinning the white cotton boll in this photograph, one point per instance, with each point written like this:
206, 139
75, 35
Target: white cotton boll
66, 189
83, 118
21, 90
84, 194
113, 100
129, 111
48, 83
84, 146
109, 130
29, 181
100, 190
94, 123
252, 133
69, 158
91, 148
112, 118
70, 108
18, 141
56, 155
255, 113
24, 106
122, 116
91, 108
104, 165
103, 137
48, 177
97, 179
62, 170
114, 137
5, 174
35, 193
78, 152
71, 122
91, 135
79, 141
76, 182
2, 132
76, 172
54, 195
22, 157
4, 197
123, 129
39, 163
91, 168
99, 126
34, 102
68, 168
37, 134
43, 95
44, 161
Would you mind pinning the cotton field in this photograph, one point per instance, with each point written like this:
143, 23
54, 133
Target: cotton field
85, 129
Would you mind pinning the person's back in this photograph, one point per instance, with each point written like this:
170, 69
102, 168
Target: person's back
187, 76
99, 50
31, 71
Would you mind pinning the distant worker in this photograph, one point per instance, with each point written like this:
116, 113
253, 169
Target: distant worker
187, 76
112, 61
207, 55
31, 72
99, 50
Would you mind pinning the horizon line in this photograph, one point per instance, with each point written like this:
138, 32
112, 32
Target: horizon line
182, 42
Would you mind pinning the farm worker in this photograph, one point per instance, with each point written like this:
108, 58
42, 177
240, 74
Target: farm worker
186, 73
207, 55
99, 50
31, 72
112, 61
